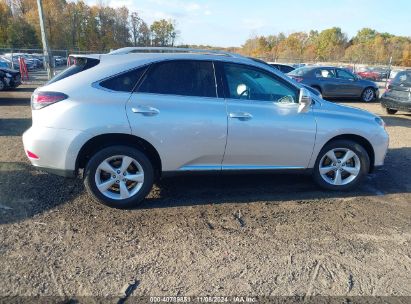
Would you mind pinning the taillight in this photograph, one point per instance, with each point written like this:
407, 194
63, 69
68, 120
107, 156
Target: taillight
388, 86
31, 155
40, 100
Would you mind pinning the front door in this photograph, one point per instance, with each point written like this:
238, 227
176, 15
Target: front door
265, 130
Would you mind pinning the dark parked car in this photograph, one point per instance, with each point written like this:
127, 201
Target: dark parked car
9, 78
397, 96
311, 89
285, 68
336, 82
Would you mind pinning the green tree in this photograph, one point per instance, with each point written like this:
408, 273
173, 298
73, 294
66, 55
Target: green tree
163, 32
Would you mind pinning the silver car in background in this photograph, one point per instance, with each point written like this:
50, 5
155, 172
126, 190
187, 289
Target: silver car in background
129, 117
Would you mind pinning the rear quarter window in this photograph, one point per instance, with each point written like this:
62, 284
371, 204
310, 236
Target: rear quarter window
124, 82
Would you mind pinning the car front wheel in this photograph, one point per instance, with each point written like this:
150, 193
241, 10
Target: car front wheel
119, 176
341, 165
368, 95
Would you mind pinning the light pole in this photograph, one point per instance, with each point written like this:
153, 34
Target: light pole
46, 50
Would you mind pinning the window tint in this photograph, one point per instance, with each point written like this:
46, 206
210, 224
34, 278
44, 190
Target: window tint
249, 83
344, 74
325, 73
286, 69
182, 77
81, 65
300, 71
124, 82
403, 77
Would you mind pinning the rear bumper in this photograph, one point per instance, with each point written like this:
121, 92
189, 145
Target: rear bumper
59, 172
395, 104
56, 149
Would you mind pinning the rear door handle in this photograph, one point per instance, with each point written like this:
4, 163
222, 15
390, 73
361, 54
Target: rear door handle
146, 111
241, 115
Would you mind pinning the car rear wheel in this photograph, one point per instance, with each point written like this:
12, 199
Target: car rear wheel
368, 95
341, 165
2, 85
119, 176
390, 111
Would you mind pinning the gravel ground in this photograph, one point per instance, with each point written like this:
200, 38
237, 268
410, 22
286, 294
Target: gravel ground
225, 235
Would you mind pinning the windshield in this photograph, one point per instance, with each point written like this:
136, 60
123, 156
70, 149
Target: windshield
403, 78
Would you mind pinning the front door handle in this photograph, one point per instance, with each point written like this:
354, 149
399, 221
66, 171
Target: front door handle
146, 111
241, 115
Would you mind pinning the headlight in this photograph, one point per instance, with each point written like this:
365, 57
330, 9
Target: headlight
380, 122
9, 75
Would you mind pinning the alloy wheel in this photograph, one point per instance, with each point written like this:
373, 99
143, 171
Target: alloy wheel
368, 95
119, 177
339, 166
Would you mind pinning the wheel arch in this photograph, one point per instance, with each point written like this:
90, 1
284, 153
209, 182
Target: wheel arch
361, 141
105, 140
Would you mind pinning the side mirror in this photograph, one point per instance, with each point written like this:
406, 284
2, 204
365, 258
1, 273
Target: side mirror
305, 100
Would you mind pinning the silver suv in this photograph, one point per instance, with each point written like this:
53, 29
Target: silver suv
129, 117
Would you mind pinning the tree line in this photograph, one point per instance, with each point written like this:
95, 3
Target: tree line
78, 26
367, 46
99, 28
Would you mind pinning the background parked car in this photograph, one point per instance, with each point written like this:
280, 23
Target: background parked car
336, 82
9, 78
367, 73
311, 89
397, 96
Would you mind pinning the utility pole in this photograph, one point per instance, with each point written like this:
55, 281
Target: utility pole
46, 51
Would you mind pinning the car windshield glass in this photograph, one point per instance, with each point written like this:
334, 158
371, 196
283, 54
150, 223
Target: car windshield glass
81, 64
403, 78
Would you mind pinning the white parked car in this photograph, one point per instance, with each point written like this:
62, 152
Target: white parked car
129, 117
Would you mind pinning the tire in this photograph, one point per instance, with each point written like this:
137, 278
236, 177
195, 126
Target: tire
317, 88
390, 111
118, 189
2, 85
368, 95
327, 176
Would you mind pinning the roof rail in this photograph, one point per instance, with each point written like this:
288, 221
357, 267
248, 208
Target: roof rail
128, 50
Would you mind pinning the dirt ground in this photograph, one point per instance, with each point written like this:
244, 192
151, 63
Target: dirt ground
206, 235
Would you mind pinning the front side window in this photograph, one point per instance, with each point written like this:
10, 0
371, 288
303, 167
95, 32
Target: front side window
253, 84
124, 82
180, 77
324, 73
344, 75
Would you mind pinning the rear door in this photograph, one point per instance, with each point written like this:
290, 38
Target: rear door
176, 108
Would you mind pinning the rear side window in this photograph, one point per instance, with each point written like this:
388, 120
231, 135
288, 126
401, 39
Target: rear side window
81, 65
181, 77
300, 71
124, 82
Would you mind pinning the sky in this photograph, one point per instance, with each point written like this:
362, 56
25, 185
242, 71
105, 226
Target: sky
230, 23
